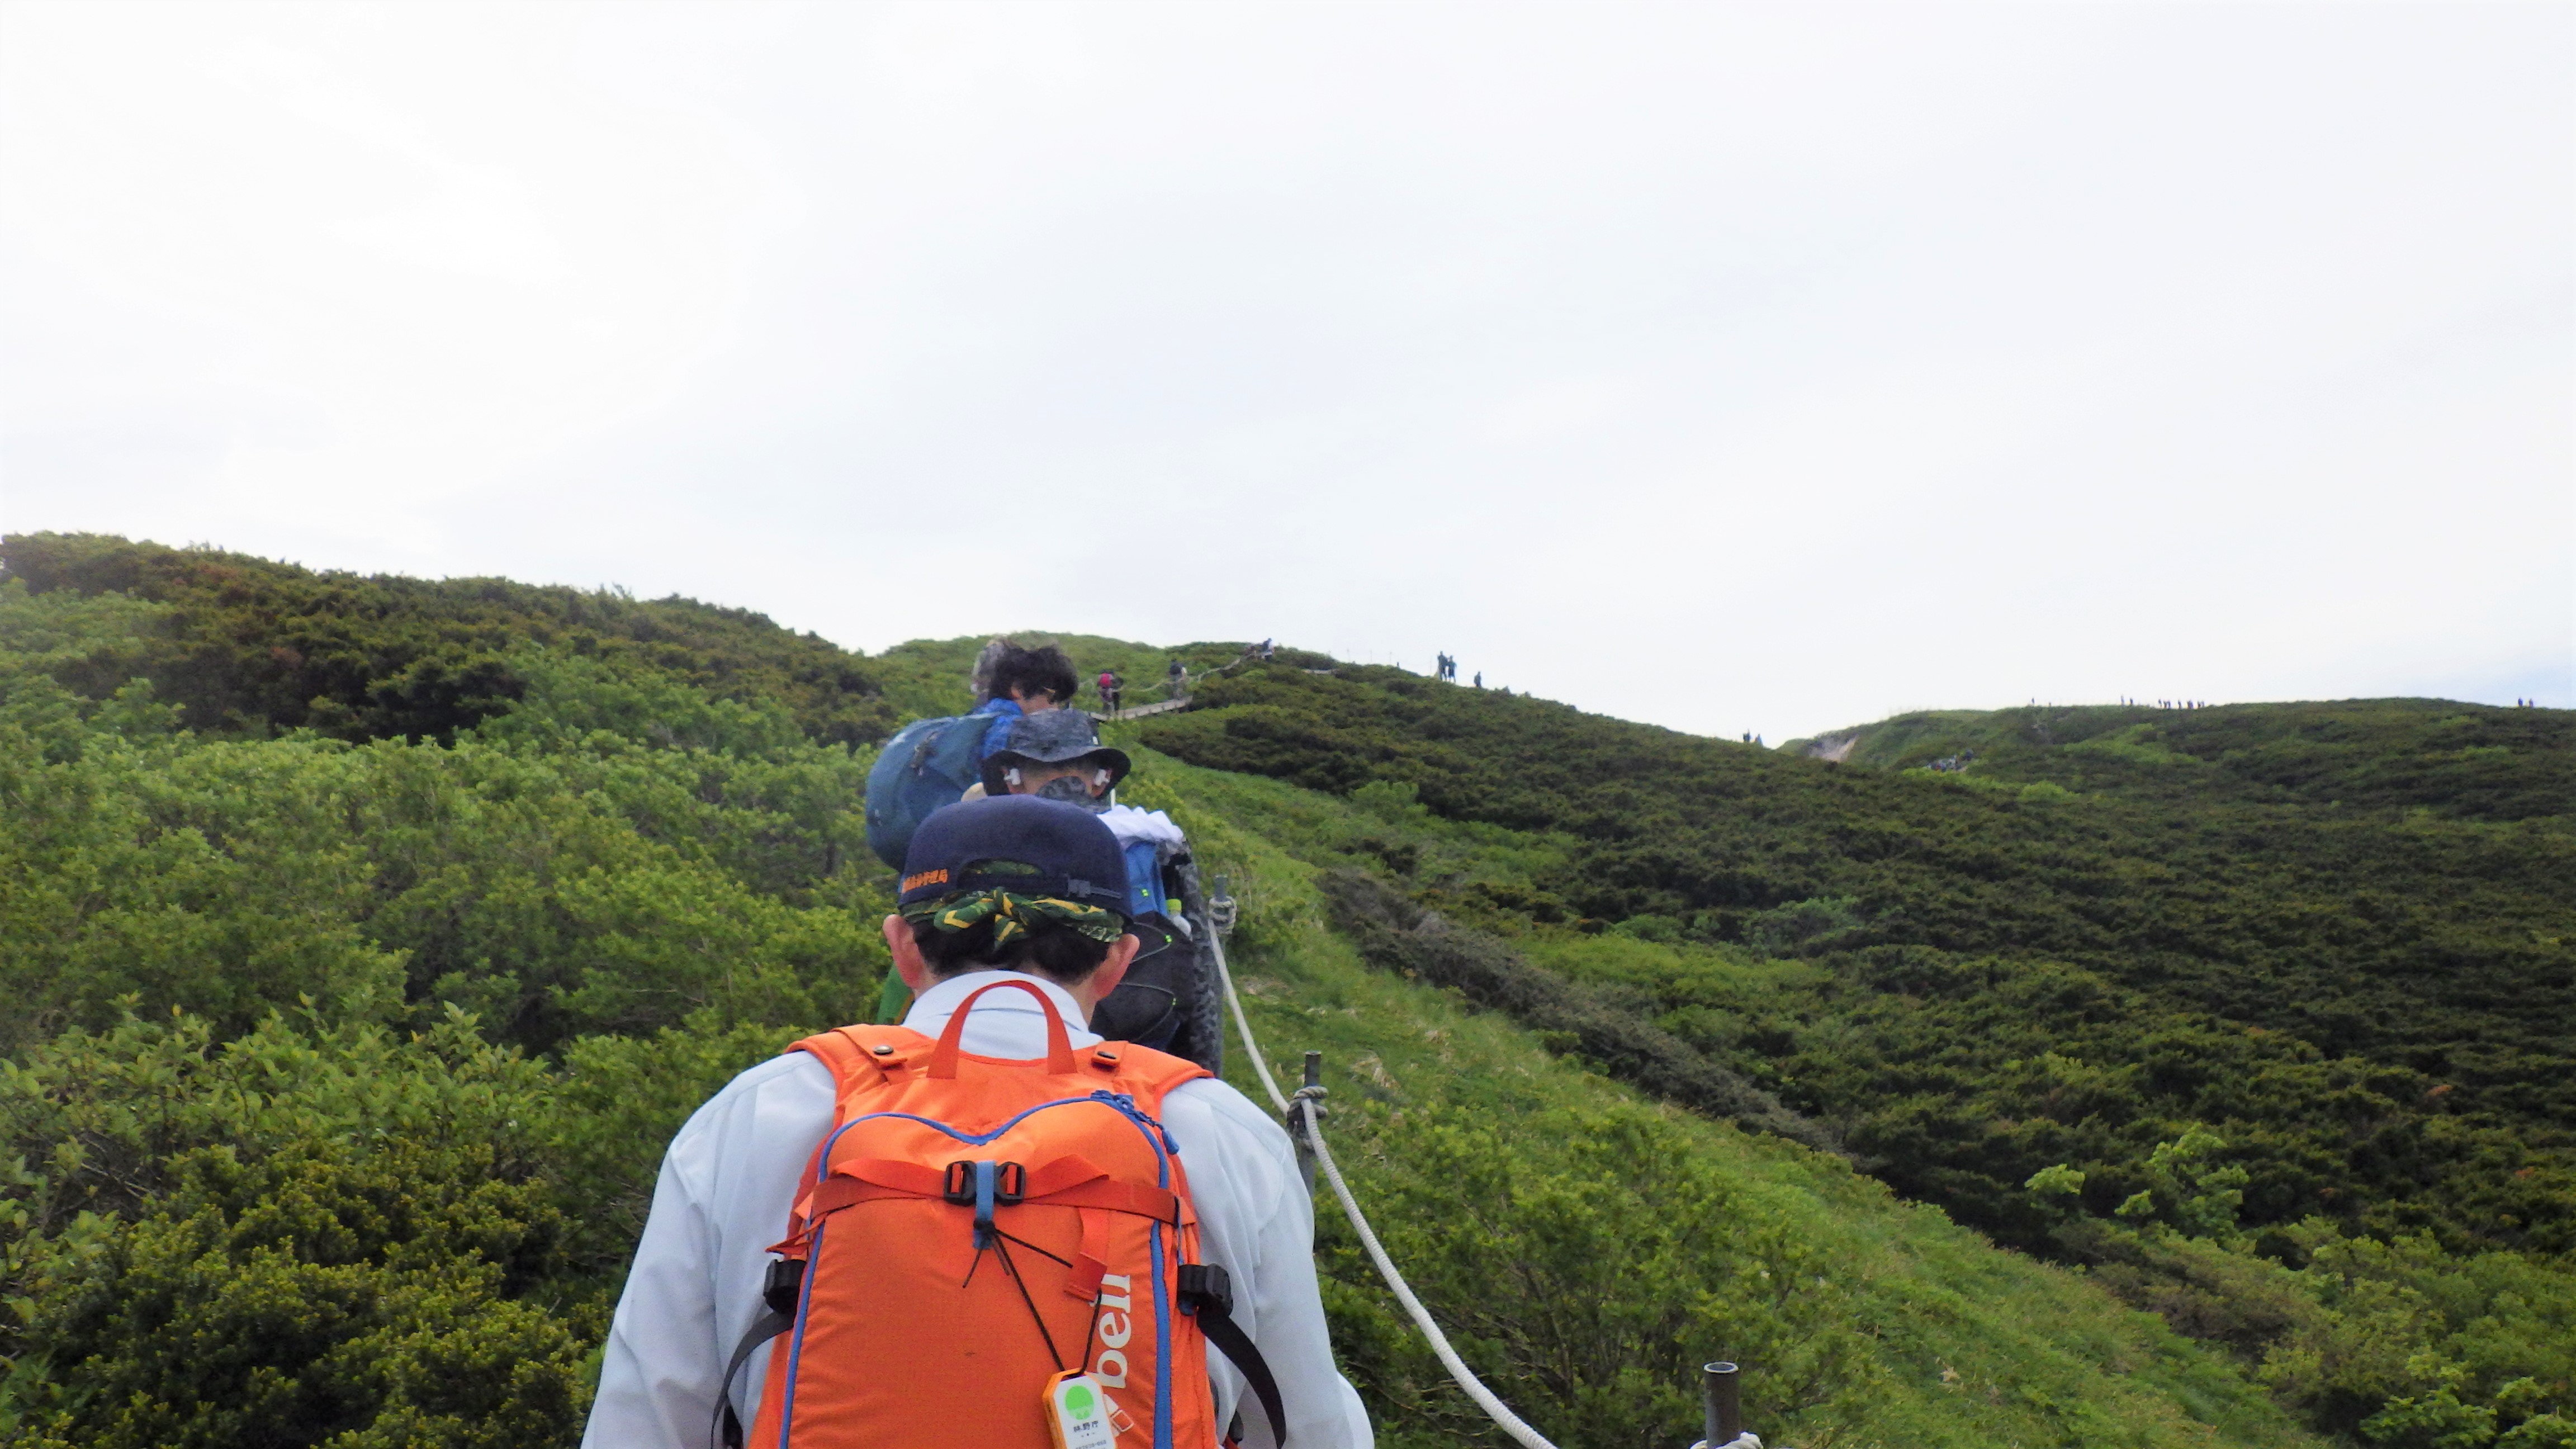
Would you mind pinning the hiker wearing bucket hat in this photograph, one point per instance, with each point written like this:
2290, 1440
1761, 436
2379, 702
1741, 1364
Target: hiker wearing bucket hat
1056, 755
1169, 1000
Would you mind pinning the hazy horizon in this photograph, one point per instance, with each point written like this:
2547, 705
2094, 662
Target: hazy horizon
1771, 368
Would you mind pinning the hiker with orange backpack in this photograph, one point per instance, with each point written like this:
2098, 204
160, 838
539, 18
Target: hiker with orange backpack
986, 1226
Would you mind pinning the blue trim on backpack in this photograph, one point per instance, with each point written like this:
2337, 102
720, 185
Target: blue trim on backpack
796, 1345
1160, 1139
1162, 1350
823, 1160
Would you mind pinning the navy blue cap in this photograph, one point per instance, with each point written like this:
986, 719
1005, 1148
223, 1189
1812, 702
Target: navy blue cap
1023, 843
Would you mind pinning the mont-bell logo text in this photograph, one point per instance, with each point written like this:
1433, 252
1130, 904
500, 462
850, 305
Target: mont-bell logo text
1114, 1328
926, 878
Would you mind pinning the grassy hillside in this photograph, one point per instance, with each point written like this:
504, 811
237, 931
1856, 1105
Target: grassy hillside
349, 1049
2381, 994
241, 643
1595, 1245
2462, 762
2100, 1025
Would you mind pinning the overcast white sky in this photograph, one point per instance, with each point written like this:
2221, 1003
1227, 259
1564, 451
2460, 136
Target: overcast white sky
1732, 367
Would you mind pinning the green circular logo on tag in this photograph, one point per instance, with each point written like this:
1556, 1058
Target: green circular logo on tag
1077, 1402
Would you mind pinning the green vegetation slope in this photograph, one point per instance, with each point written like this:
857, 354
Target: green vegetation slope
2203, 1041
351, 1036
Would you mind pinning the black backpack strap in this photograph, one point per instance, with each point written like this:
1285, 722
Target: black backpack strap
786, 1282
1208, 1295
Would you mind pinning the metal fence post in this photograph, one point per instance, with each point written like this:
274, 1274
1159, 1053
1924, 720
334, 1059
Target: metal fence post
1721, 1404
1305, 1147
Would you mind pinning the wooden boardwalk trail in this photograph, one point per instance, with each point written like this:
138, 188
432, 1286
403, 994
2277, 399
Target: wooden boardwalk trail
1142, 710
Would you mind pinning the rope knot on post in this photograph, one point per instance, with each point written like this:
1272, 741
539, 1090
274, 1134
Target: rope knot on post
1315, 1094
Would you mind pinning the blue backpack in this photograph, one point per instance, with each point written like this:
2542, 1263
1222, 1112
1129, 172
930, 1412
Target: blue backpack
925, 766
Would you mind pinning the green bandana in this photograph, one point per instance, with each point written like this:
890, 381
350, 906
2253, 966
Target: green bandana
1012, 914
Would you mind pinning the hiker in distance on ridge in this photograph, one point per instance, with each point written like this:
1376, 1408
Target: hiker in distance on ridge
813, 1266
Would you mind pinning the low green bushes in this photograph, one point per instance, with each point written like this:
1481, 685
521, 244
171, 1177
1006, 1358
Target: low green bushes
557, 878
346, 1045
306, 1234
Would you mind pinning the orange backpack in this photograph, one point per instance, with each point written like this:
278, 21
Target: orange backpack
976, 1232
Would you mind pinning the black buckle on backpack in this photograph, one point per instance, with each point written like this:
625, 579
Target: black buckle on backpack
1010, 1183
784, 1285
1206, 1284
1207, 1296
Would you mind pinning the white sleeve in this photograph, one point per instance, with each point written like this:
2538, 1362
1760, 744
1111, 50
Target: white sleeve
1258, 1222
727, 1183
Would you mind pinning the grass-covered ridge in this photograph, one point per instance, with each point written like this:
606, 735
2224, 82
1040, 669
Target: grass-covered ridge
2290, 1033
241, 643
348, 1052
1598, 1243
2383, 992
2468, 762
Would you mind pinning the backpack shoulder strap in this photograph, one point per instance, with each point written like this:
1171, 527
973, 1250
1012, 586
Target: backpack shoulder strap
856, 1056
1142, 1072
862, 1056
1207, 1295
778, 1295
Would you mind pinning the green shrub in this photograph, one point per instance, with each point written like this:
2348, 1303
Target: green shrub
1590, 1281
303, 1233
558, 878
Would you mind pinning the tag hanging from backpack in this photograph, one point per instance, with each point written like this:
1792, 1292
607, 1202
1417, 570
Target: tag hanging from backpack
1078, 1412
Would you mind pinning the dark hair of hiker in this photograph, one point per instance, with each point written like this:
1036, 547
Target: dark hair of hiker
1053, 951
1033, 671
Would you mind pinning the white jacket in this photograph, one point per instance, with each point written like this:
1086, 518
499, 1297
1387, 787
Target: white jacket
1131, 824
731, 1173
